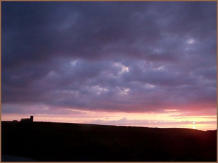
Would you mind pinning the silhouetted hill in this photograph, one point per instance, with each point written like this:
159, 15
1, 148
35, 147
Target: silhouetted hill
45, 141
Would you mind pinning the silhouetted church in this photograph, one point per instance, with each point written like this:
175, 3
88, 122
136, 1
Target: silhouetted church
27, 120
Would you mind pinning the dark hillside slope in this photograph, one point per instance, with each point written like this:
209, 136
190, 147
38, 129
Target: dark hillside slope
46, 141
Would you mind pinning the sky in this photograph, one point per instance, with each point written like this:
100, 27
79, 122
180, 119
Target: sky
147, 64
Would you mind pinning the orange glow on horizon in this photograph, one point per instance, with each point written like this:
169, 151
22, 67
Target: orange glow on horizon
167, 119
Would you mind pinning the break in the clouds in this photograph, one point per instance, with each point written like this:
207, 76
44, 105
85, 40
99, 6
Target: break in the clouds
109, 56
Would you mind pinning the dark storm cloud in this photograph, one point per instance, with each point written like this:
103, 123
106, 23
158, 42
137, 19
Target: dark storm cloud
115, 56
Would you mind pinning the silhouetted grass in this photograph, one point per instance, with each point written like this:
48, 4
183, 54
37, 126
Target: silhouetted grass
45, 141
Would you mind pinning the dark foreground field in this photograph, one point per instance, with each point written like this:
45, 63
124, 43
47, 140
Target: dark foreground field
42, 141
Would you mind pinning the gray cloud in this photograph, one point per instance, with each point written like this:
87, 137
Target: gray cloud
114, 56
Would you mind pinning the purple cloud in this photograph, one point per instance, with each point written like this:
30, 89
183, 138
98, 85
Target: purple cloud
114, 56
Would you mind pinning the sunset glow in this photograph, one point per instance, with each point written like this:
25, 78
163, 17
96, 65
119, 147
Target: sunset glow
150, 64
162, 120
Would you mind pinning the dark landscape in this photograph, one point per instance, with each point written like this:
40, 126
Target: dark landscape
48, 141
109, 81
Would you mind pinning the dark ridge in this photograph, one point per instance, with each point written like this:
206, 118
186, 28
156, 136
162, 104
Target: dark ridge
48, 141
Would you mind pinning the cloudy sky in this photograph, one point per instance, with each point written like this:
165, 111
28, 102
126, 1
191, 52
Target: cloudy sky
120, 63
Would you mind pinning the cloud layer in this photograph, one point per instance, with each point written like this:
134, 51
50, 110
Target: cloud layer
109, 56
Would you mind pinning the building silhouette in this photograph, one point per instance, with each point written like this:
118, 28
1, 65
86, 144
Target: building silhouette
27, 120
